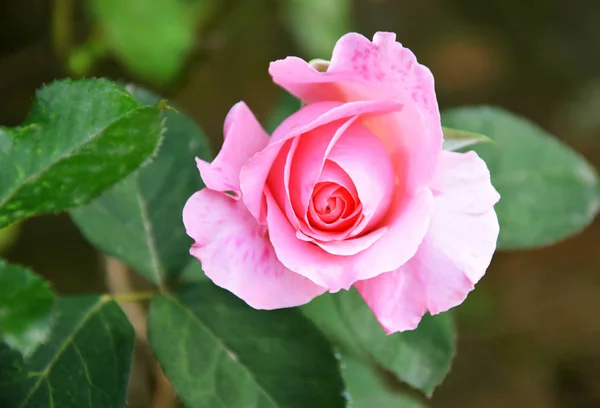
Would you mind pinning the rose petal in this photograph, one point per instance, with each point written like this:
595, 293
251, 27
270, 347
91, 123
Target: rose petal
454, 255
254, 173
237, 255
352, 246
463, 182
304, 168
333, 173
396, 298
366, 161
378, 70
243, 137
361, 70
407, 223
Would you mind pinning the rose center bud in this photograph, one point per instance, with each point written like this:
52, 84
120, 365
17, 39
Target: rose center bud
332, 207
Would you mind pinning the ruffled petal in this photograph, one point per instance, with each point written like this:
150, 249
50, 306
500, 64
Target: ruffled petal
379, 70
236, 253
243, 137
454, 255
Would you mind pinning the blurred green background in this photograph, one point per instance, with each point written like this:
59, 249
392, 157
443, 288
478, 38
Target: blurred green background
529, 334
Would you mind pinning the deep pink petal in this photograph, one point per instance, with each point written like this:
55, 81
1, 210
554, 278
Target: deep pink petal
367, 162
236, 253
243, 137
454, 255
407, 223
305, 167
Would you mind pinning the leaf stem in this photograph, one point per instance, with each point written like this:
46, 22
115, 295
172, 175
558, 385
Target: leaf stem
131, 297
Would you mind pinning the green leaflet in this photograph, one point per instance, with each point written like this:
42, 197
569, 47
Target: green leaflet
219, 352
26, 304
420, 357
139, 219
85, 363
80, 138
549, 192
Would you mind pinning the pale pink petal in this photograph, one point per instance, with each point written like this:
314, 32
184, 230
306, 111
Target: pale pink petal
396, 299
454, 255
414, 153
361, 70
463, 182
333, 173
386, 64
407, 223
243, 137
306, 83
352, 246
379, 70
236, 253
256, 170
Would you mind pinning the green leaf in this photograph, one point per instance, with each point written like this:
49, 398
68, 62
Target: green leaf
26, 304
549, 192
80, 138
85, 364
151, 38
421, 357
219, 352
369, 388
193, 272
455, 139
139, 220
318, 24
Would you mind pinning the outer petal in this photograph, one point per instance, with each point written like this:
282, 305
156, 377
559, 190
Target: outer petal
236, 253
463, 182
361, 70
407, 225
243, 137
382, 69
454, 255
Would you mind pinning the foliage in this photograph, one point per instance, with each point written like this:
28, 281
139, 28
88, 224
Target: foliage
145, 208
26, 303
151, 38
121, 162
63, 156
213, 347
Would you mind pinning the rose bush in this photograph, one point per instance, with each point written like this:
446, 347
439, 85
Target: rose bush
353, 189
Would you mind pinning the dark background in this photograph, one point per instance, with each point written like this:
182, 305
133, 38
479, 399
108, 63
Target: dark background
530, 333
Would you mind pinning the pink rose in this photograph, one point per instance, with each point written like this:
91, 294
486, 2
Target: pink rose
353, 189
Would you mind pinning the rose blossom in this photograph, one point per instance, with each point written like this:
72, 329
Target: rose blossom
353, 189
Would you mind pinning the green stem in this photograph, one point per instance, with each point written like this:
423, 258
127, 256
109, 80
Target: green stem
131, 297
